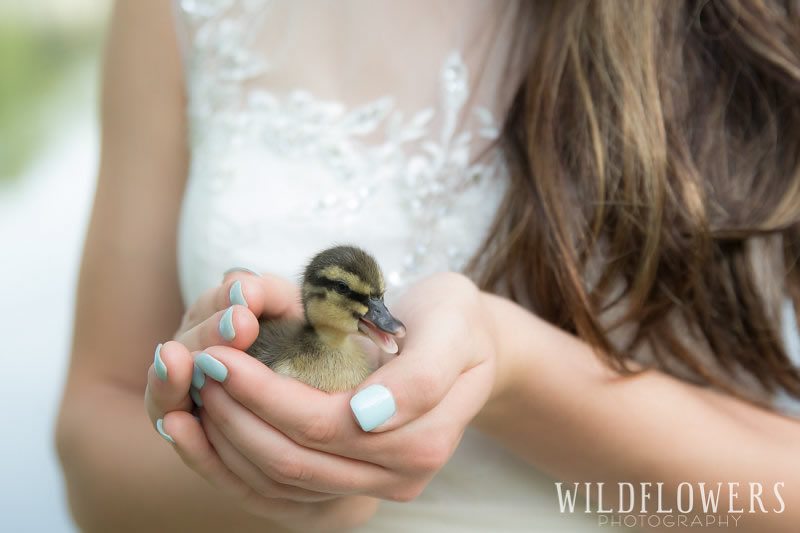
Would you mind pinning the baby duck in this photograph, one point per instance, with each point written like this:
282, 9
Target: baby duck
342, 294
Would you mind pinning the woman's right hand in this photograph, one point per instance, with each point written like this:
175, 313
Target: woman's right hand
228, 315
225, 315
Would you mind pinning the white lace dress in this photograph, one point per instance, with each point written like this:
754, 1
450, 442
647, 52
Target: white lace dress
366, 122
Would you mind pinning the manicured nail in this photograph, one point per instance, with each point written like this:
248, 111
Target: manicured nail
240, 269
236, 295
160, 428
226, 325
212, 368
195, 394
198, 378
373, 406
160, 367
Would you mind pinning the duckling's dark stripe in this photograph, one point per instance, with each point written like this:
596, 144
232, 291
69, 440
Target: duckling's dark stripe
321, 281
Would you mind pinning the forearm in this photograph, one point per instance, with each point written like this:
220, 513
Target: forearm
561, 409
121, 476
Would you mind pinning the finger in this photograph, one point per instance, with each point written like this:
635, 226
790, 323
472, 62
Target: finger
312, 418
233, 291
414, 382
190, 442
283, 460
168, 380
236, 326
443, 426
268, 295
250, 473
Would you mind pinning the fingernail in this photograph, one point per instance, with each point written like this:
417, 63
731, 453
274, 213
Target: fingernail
236, 295
211, 367
160, 428
160, 367
373, 406
226, 325
195, 394
240, 269
198, 378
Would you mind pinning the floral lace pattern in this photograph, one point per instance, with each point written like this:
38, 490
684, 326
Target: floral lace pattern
427, 158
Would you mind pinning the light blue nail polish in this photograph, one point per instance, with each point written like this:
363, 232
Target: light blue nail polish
198, 378
160, 428
236, 295
241, 269
226, 325
373, 406
195, 394
211, 367
160, 367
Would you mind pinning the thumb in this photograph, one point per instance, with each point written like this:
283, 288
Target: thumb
412, 383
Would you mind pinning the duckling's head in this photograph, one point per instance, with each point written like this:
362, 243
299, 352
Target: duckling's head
343, 291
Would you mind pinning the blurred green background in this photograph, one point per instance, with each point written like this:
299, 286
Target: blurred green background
49, 63
44, 46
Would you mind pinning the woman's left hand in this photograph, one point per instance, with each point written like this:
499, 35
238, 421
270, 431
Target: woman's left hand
412, 411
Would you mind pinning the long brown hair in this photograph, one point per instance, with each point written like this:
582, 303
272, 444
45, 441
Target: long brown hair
654, 156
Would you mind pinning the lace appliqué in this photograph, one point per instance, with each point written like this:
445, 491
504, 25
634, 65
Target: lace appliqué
367, 148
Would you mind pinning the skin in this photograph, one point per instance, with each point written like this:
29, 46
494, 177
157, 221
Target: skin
128, 297
474, 358
295, 457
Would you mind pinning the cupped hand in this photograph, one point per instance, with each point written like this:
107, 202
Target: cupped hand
387, 440
226, 316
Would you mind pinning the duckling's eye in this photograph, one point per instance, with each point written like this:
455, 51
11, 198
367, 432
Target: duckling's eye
341, 287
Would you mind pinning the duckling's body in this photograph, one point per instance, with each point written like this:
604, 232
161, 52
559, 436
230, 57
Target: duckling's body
342, 295
295, 349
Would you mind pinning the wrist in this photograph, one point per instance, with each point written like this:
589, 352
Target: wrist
507, 361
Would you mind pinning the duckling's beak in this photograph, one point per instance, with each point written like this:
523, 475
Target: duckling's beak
380, 326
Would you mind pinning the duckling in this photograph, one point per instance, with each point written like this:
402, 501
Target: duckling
342, 295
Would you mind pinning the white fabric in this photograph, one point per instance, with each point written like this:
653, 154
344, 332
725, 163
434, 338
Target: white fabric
366, 122
320, 122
